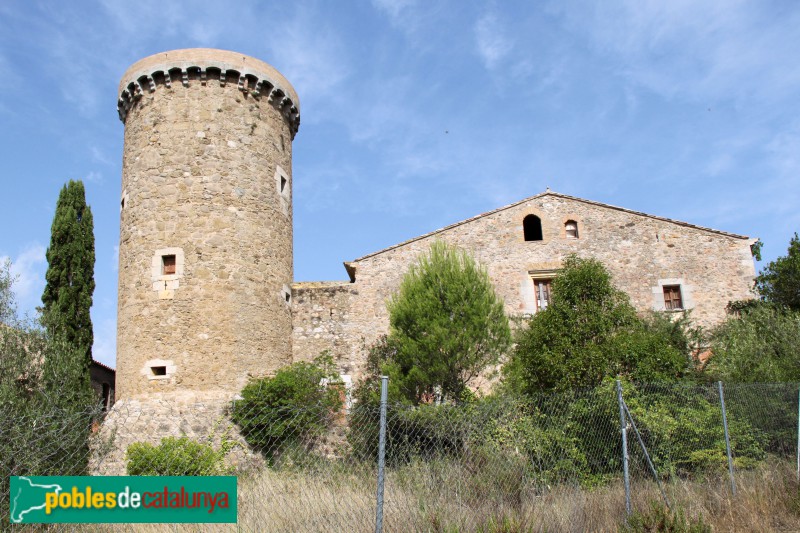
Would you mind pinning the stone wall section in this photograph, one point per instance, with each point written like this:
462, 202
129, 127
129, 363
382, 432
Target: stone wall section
643, 253
202, 149
323, 314
204, 419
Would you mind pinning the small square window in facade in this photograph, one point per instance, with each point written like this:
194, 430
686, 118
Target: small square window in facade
159, 370
543, 291
167, 264
571, 228
672, 297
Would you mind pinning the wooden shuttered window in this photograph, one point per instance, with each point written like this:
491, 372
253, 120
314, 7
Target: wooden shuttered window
672, 297
542, 287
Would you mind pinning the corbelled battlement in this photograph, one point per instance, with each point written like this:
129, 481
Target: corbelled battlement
204, 65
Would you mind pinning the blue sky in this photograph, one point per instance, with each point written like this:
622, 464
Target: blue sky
417, 114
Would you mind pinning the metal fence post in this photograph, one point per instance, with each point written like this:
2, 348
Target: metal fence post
727, 437
381, 455
798, 435
624, 427
646, 455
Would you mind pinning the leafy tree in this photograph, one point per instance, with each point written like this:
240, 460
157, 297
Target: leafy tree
45, 409
758, 344
590, 331
8, 309
67, 296
779, 282
447, 325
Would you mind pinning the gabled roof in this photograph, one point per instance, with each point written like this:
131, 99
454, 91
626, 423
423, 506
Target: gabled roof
542, 195
101, 365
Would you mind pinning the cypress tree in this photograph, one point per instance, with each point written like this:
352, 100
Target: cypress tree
68, 293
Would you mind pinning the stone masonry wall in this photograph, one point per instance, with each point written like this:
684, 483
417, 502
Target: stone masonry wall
643, 253
206, 181
322, 321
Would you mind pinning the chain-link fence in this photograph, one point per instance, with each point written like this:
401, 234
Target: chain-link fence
554, 462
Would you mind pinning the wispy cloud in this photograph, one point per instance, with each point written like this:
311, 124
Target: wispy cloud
718, 50
395, 9
312, 55
93, 177
492, 41
99, 156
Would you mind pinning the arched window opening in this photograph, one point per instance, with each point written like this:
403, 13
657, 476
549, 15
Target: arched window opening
532, 228
571, 228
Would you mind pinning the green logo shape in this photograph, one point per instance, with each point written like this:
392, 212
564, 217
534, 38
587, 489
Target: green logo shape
122, 499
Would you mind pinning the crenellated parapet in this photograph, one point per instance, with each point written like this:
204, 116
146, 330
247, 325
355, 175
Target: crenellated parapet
209, 67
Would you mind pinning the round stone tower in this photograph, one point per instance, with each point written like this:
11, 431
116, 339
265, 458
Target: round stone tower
205, 253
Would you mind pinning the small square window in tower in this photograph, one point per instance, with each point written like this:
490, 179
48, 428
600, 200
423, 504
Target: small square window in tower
167, 264
672, 298
542, 288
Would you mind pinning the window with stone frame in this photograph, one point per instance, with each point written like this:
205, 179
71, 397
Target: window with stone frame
571, 229
672, 298
543, 290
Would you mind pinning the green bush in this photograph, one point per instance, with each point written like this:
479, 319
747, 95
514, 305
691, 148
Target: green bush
589, 332
176, 456
659, 519
291, 409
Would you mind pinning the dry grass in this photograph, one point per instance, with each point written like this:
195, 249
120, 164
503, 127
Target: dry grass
439, 497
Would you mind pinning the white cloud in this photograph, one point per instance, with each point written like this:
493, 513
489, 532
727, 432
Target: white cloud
393, 8
718, 49
93, 177
313, 56
492, 41
99, 156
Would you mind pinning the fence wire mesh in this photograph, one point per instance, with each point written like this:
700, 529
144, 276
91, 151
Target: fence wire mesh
553, 462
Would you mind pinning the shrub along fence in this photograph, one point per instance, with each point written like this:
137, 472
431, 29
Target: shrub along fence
566, 461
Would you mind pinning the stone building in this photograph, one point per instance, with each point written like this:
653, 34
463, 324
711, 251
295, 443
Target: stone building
662, 264
103, 380
206, 292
